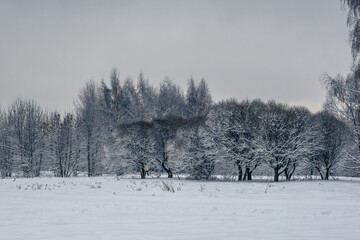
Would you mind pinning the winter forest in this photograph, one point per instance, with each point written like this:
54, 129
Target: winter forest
131, 127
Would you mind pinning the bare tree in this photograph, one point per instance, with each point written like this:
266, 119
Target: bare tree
284, 137
136, 147
63, 144
6, 146
170, 107
302, 144
91, 127
353, 21
163, 131
343, 100
27, 120
332, 138
239, 134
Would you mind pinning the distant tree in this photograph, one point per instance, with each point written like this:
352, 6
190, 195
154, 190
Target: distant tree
163, 131
170, 109
6, 146
342, 100
228, 112
120, 103
251, 117
136, 145
203, 152
201, 158
91, 127
343, 93
171, 101
275, 135
27, 119
332, 138
147, 99
125, 103
302, 144
198, 105
130, 104
157, 136
239, 134
198, 99
284, 137
63, 143
110, 99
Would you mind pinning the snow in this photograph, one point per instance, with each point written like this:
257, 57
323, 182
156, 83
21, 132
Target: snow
111, 208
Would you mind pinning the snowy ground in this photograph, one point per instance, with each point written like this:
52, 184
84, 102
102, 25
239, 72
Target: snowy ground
107, 208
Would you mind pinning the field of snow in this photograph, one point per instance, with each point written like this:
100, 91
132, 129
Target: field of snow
108, 208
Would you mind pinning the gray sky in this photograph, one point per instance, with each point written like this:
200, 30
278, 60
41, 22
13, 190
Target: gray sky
273, 49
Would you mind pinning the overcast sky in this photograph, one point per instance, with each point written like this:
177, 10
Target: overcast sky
273, 49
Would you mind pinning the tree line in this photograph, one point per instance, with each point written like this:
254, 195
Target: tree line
128, 127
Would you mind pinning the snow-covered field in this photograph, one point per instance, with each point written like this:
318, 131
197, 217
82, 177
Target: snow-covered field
107, 208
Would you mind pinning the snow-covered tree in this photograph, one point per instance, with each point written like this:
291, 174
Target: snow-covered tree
63, 144
198, 152
198, 99
163, 131
303, 139
90, 125
147, 99
170, 109
171, 101
332, 139
26, 121
6, 146
342, 100
285, 138
136, 148
203, 151
239, 135
120, 102
353, 21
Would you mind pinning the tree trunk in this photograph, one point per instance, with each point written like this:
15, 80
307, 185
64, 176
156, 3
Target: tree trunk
248, 174
287, 175
245, 176
327, 173
249, 177
321, 175
276, 174
167, 170
39, 167
89, 159
289, 171
163, 162
239, 172
143, 173
60, 168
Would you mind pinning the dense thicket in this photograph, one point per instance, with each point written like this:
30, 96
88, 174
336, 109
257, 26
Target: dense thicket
128, 127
